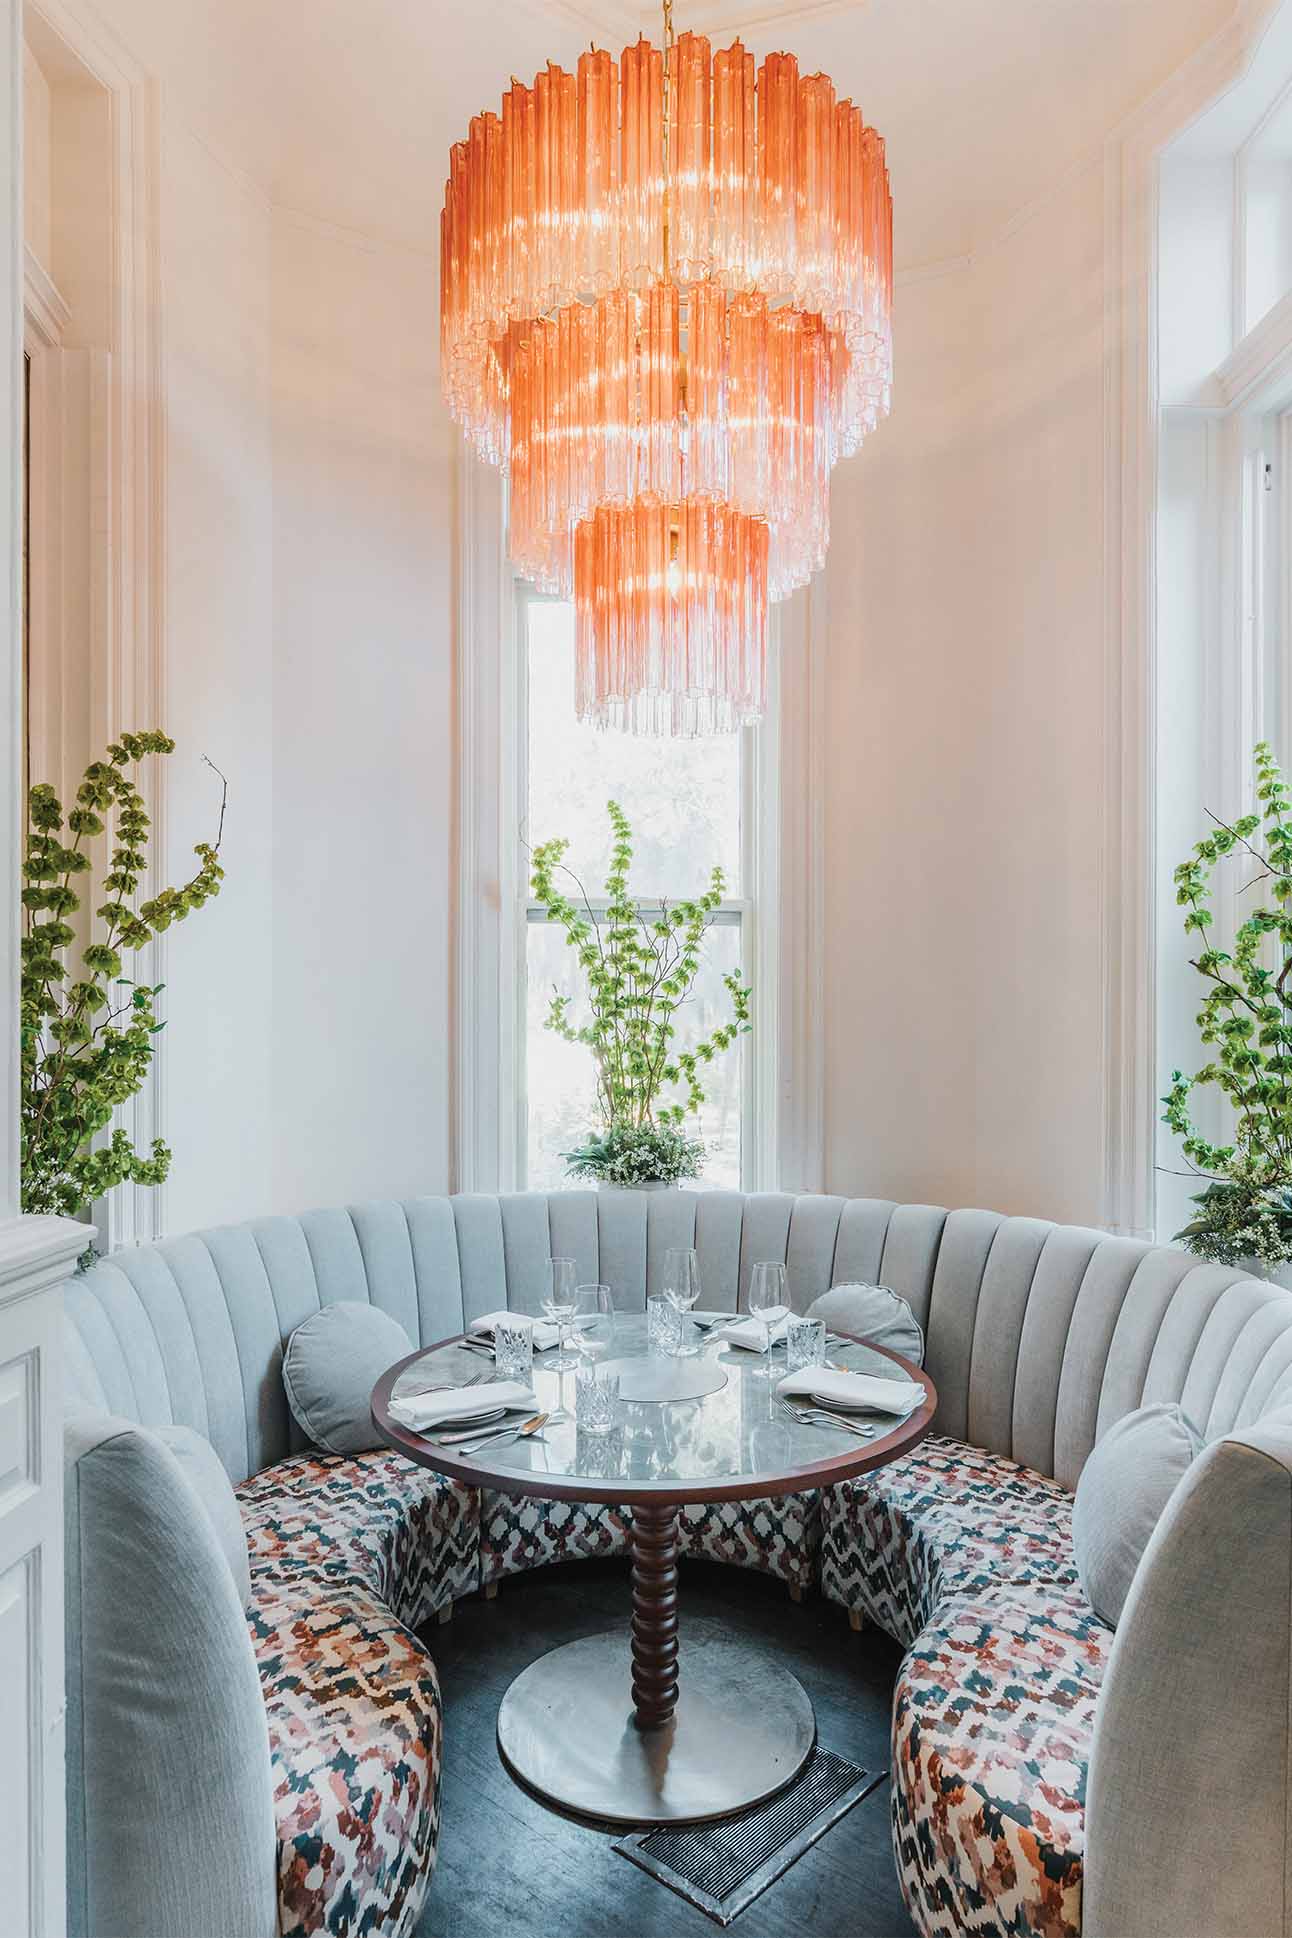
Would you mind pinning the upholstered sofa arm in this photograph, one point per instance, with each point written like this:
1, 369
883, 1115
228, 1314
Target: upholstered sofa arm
1187, 1831
168, 1773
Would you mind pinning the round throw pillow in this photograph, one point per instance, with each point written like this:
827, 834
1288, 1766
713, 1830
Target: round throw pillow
1124, 1486
205, 1473
332, 1362
873, 1313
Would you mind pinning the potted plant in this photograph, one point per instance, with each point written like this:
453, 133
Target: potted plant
639, 969
1244, 1212
87, 1039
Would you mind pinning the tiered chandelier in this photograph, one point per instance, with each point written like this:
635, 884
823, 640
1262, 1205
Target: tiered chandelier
665, 310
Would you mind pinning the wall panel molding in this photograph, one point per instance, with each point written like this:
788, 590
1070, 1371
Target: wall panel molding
126, 429
1130, 1080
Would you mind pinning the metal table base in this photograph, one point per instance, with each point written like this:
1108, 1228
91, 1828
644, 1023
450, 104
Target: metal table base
741, 1729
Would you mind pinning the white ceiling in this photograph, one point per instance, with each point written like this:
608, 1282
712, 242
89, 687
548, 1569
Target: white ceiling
346, 111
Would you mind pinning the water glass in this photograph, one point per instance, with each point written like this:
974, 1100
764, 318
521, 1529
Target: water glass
599, 1456
594, 1321
513, 1347
805, 1343
596, 1398
663, 1326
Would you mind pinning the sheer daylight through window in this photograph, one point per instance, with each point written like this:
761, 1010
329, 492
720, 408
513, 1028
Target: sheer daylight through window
682, 799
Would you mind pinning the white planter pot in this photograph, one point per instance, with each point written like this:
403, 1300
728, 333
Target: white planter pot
657, 1184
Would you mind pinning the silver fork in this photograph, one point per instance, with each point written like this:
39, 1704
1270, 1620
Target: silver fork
445, 1385
818, 1417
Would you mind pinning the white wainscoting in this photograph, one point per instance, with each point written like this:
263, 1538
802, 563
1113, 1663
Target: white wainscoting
36, 1255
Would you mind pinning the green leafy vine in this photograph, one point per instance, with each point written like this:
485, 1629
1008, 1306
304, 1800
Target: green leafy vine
639, 969
87, 1041
1246, 1020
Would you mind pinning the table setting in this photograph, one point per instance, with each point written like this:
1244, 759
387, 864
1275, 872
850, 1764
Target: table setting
786, 1367
651, 1412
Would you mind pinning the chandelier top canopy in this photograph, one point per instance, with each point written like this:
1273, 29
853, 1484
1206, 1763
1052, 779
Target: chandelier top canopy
665, 311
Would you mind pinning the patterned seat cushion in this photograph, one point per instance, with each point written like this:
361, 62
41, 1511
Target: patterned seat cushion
349, 1552
943, 1519
780, 1536
355, 1742
376, 1518
993, 1720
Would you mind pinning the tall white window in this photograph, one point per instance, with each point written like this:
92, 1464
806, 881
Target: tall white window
750, 803
1222, 538
692, 807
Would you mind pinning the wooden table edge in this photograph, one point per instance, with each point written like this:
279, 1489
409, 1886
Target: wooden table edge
846, 1465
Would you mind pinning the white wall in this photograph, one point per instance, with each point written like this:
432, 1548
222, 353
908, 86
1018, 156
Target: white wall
363, 574
964, 818
219, 700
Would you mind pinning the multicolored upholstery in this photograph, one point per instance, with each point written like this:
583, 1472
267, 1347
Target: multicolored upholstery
410, 1535
993, 1721
781, 1536
348, 1553
942, 1520
521, 1531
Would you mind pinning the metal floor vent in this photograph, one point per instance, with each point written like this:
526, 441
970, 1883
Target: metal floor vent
722, 1867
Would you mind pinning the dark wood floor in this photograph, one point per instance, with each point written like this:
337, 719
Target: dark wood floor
509, 1866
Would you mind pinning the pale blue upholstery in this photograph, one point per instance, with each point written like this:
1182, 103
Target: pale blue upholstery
1039, 1338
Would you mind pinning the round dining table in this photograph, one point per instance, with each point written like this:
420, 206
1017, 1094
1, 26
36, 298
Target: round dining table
644, 1725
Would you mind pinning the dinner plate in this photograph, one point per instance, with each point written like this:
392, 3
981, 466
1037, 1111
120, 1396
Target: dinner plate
480, 1418
832, 1404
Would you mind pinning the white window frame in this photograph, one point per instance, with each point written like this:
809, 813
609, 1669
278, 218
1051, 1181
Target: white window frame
1241, 484
782, 1131
1131, 1076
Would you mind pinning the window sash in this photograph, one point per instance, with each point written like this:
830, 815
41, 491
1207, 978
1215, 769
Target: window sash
783, 917
757, 1052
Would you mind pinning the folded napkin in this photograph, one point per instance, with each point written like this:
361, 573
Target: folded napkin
423, 1410
862, 1390
749, 1333
545, 1333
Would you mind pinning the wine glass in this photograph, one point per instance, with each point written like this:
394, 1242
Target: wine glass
594, 1321
767, 1295
558, 1306
682, 1289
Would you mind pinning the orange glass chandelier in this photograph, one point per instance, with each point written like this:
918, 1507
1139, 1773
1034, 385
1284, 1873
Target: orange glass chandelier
665, 311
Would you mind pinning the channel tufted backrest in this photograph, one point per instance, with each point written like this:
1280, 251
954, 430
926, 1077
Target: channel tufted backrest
1039, 1336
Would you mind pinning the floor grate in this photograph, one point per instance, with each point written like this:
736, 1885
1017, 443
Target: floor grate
722, 1867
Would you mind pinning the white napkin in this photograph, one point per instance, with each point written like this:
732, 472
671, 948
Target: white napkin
855, 1389
423, 1410
545, 1333
749, 1333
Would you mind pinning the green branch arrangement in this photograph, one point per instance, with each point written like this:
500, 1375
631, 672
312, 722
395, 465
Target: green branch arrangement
87, 1041
1245, 1211
639, 971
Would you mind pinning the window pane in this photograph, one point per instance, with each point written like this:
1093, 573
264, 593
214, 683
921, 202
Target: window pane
560, 1078
682, 797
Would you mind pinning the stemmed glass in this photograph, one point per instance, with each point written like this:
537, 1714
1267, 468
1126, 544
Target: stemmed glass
682, 1289
767, 1294
559, 1306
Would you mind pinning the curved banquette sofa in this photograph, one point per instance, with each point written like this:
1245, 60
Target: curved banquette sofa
237, 1773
